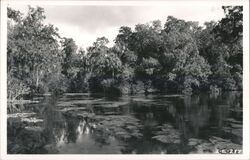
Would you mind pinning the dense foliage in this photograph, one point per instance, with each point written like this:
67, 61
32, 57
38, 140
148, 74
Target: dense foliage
179, 56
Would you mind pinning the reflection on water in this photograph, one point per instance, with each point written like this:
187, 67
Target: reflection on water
158, 124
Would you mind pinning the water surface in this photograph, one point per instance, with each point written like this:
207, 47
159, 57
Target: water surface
154, 124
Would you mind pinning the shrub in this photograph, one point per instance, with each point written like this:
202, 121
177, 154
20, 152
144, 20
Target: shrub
16, 88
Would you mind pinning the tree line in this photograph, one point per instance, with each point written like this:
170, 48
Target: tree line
177, 57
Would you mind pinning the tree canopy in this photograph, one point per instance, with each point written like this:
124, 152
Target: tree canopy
178, 56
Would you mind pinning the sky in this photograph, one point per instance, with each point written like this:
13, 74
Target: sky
86, 23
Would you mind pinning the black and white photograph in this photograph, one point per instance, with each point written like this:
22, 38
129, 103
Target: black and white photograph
125, 78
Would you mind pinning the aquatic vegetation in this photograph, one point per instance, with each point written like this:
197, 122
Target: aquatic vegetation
23, 101
233, 127
65, 104
126, 125
32, 120
201, 146
178, 56
194, 141
82, 114
26, 138
167, 134
76, 94
221, 143
111, 104
34, 129
25, 118
73, 109
142, 100
104, 107
76, 102
38, 98
20, 115
121, 126
205, 147
174, 95
212, 145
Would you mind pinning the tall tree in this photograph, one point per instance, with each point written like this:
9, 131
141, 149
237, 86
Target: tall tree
182, 64
68, 51
32, 47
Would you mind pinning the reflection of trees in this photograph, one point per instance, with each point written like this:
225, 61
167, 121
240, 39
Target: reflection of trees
204, 116
71, 130
84, 128
194, 117
60, 136
221, 107
53, 121
154, 113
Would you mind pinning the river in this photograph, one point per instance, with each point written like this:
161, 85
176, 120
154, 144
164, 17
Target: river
82, 123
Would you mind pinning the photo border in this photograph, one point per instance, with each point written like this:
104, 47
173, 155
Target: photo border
3, 81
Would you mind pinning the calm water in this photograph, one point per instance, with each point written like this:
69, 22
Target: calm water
158, 124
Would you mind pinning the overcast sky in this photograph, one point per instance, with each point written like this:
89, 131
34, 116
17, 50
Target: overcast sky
85, 23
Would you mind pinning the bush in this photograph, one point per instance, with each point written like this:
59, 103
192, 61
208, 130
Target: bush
57, 84
229, 84
16, 88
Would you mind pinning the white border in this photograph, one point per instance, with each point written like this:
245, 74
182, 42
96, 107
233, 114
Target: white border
3, 81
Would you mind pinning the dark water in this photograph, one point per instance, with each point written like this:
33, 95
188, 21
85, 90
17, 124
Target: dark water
153, 124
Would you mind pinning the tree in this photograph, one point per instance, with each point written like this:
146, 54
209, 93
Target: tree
104, 64
68, 51
32, 47
221, 46
182, 64
146, 41
230, 28
181, 56
122, 42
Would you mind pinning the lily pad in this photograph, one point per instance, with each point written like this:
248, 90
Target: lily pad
205, 147
212, 145
114, 104
221, 143
23, 101
86, 114
174, 95
121, 126
167, 134
76, 102
215, 140
73, 109
79, 114
76, 94
31, 120
167, 138
142, 100
201, 146
34, 129
111, 113
20, 115
194, 141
